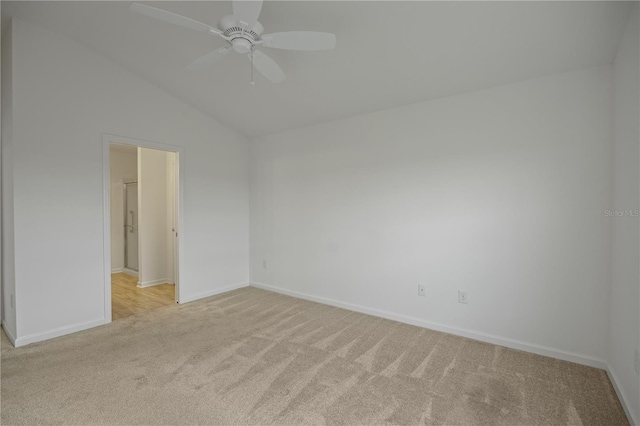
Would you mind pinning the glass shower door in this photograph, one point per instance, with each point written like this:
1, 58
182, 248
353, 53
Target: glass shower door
131, 225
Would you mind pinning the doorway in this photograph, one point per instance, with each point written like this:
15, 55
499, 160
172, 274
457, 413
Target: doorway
142, 215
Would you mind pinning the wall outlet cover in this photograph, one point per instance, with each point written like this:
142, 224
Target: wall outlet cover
422, 290
462, 296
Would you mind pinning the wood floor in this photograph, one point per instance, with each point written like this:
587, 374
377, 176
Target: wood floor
127, 299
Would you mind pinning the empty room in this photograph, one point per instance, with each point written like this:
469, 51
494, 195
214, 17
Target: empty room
367, 212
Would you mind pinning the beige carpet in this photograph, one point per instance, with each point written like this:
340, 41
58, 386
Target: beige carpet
256, 357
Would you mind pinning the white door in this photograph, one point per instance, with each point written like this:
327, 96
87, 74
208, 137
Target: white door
131, 226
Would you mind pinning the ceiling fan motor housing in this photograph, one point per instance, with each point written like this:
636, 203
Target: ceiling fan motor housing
241, 38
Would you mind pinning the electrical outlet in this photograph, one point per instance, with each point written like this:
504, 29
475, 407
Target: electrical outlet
264, 264
636, 360
462, 296
422, 290
12, 302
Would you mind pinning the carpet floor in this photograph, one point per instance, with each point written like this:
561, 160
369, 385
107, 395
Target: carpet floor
255, 357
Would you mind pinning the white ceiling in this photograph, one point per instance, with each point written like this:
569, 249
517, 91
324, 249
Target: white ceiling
388, 53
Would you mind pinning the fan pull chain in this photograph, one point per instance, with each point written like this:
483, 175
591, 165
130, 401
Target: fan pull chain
253, 83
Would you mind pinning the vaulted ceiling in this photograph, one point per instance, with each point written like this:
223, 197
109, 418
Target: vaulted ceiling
388, 53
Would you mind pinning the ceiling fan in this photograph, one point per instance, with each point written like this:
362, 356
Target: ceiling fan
243, 33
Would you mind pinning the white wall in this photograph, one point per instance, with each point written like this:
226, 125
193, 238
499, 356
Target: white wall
65, 99
499, 192
1, 257
8, 261
625, 254
123, 165
153, 224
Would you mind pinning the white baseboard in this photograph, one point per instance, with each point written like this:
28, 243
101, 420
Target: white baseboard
153, 282
10, 335
187, 299
130, 272
633, 420
57, 332
117, 270
471, 334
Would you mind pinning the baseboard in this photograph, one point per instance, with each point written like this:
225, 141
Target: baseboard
57, 332
633, 420
117, 270
471, 334
10, 335
210, 293
130, 272
153, 282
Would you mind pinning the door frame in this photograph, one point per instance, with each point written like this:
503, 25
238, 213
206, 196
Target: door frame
107, 140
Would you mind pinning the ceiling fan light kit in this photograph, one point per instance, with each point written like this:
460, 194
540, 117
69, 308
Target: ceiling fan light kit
243, 33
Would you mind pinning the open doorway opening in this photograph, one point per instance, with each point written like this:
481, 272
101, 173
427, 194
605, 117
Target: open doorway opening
143, 216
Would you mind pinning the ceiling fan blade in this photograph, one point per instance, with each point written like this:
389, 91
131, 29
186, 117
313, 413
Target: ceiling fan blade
267, 67
247, 12
208, 59
173, 18
300, 40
